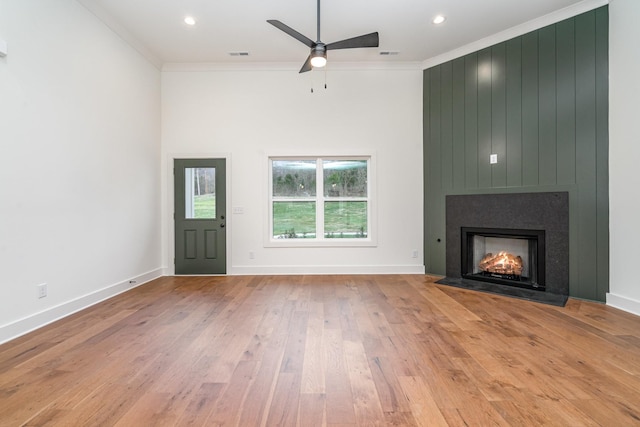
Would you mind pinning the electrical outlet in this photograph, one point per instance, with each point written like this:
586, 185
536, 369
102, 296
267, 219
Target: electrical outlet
414, 253
251, 255
42, 290
493, 159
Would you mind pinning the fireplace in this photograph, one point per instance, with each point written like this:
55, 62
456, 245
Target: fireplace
531, 228
505, 256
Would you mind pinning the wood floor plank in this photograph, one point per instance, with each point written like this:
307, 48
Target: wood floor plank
339, 396
423, 406
366, 400
312, 410
228, 407
313, 363
332, 350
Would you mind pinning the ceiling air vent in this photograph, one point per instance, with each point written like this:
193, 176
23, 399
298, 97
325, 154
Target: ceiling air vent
239, 53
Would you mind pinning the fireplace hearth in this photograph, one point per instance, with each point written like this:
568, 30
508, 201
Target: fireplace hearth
514, 244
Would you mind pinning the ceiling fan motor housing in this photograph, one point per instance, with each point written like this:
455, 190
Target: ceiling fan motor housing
318, 56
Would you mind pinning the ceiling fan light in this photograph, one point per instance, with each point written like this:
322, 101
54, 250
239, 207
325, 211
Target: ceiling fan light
318, 61
439, 19
318, 58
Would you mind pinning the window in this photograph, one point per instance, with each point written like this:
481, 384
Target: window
320, 200
200, 193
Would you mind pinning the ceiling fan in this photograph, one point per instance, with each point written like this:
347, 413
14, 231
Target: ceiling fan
318, 55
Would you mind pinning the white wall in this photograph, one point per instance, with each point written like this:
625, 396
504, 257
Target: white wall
246, 115
80, 163
624, 154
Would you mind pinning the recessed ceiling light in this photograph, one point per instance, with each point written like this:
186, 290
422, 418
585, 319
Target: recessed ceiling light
439, 19
190, 20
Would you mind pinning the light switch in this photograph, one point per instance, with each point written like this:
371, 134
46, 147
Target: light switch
493, 159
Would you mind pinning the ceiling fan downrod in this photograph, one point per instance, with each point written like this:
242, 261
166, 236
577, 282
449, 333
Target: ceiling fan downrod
318, 23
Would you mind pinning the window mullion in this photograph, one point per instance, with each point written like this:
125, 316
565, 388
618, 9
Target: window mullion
319, 200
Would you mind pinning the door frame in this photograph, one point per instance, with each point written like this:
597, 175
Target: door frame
169, 224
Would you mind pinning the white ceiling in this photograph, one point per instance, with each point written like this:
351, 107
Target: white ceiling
156, 27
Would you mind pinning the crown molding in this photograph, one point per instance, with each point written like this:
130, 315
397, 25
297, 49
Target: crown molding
287, 66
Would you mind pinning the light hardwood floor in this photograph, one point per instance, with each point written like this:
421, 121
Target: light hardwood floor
324, 350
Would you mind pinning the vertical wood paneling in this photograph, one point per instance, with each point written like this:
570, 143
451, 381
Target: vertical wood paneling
446, 130
498, 115
586, 151
602, 150
530, 109
539, 101
566, 102
547, 105
435, 129
484, 118
514, 112
471, 121
566, 122
458, 123
446, 154
430, 194
436, 211
435, 181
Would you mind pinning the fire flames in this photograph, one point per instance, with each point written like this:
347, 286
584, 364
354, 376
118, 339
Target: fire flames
501, 263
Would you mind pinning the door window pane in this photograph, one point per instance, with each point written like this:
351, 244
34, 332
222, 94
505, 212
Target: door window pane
294, 178
345, 220
200, 193
345, 178
294, 220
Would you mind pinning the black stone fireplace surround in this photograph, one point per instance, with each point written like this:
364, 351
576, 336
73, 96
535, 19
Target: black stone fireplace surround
548, 211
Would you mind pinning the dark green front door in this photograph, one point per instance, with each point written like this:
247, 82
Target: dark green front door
200, 216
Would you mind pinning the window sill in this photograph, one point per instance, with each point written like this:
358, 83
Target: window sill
313, 243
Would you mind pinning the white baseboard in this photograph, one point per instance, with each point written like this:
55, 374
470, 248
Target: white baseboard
624, 303
27, 324
276, 270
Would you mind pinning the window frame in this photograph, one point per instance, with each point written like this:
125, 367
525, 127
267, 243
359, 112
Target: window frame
320, 200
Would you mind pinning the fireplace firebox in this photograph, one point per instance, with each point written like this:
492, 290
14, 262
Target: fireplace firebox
513, 257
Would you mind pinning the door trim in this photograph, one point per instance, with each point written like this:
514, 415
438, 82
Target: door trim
168, 224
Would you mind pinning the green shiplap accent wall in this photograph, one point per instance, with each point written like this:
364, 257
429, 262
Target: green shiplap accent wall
540, 102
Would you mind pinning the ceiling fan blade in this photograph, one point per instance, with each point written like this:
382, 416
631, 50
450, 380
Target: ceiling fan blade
306, 66
293, 33
367, 40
